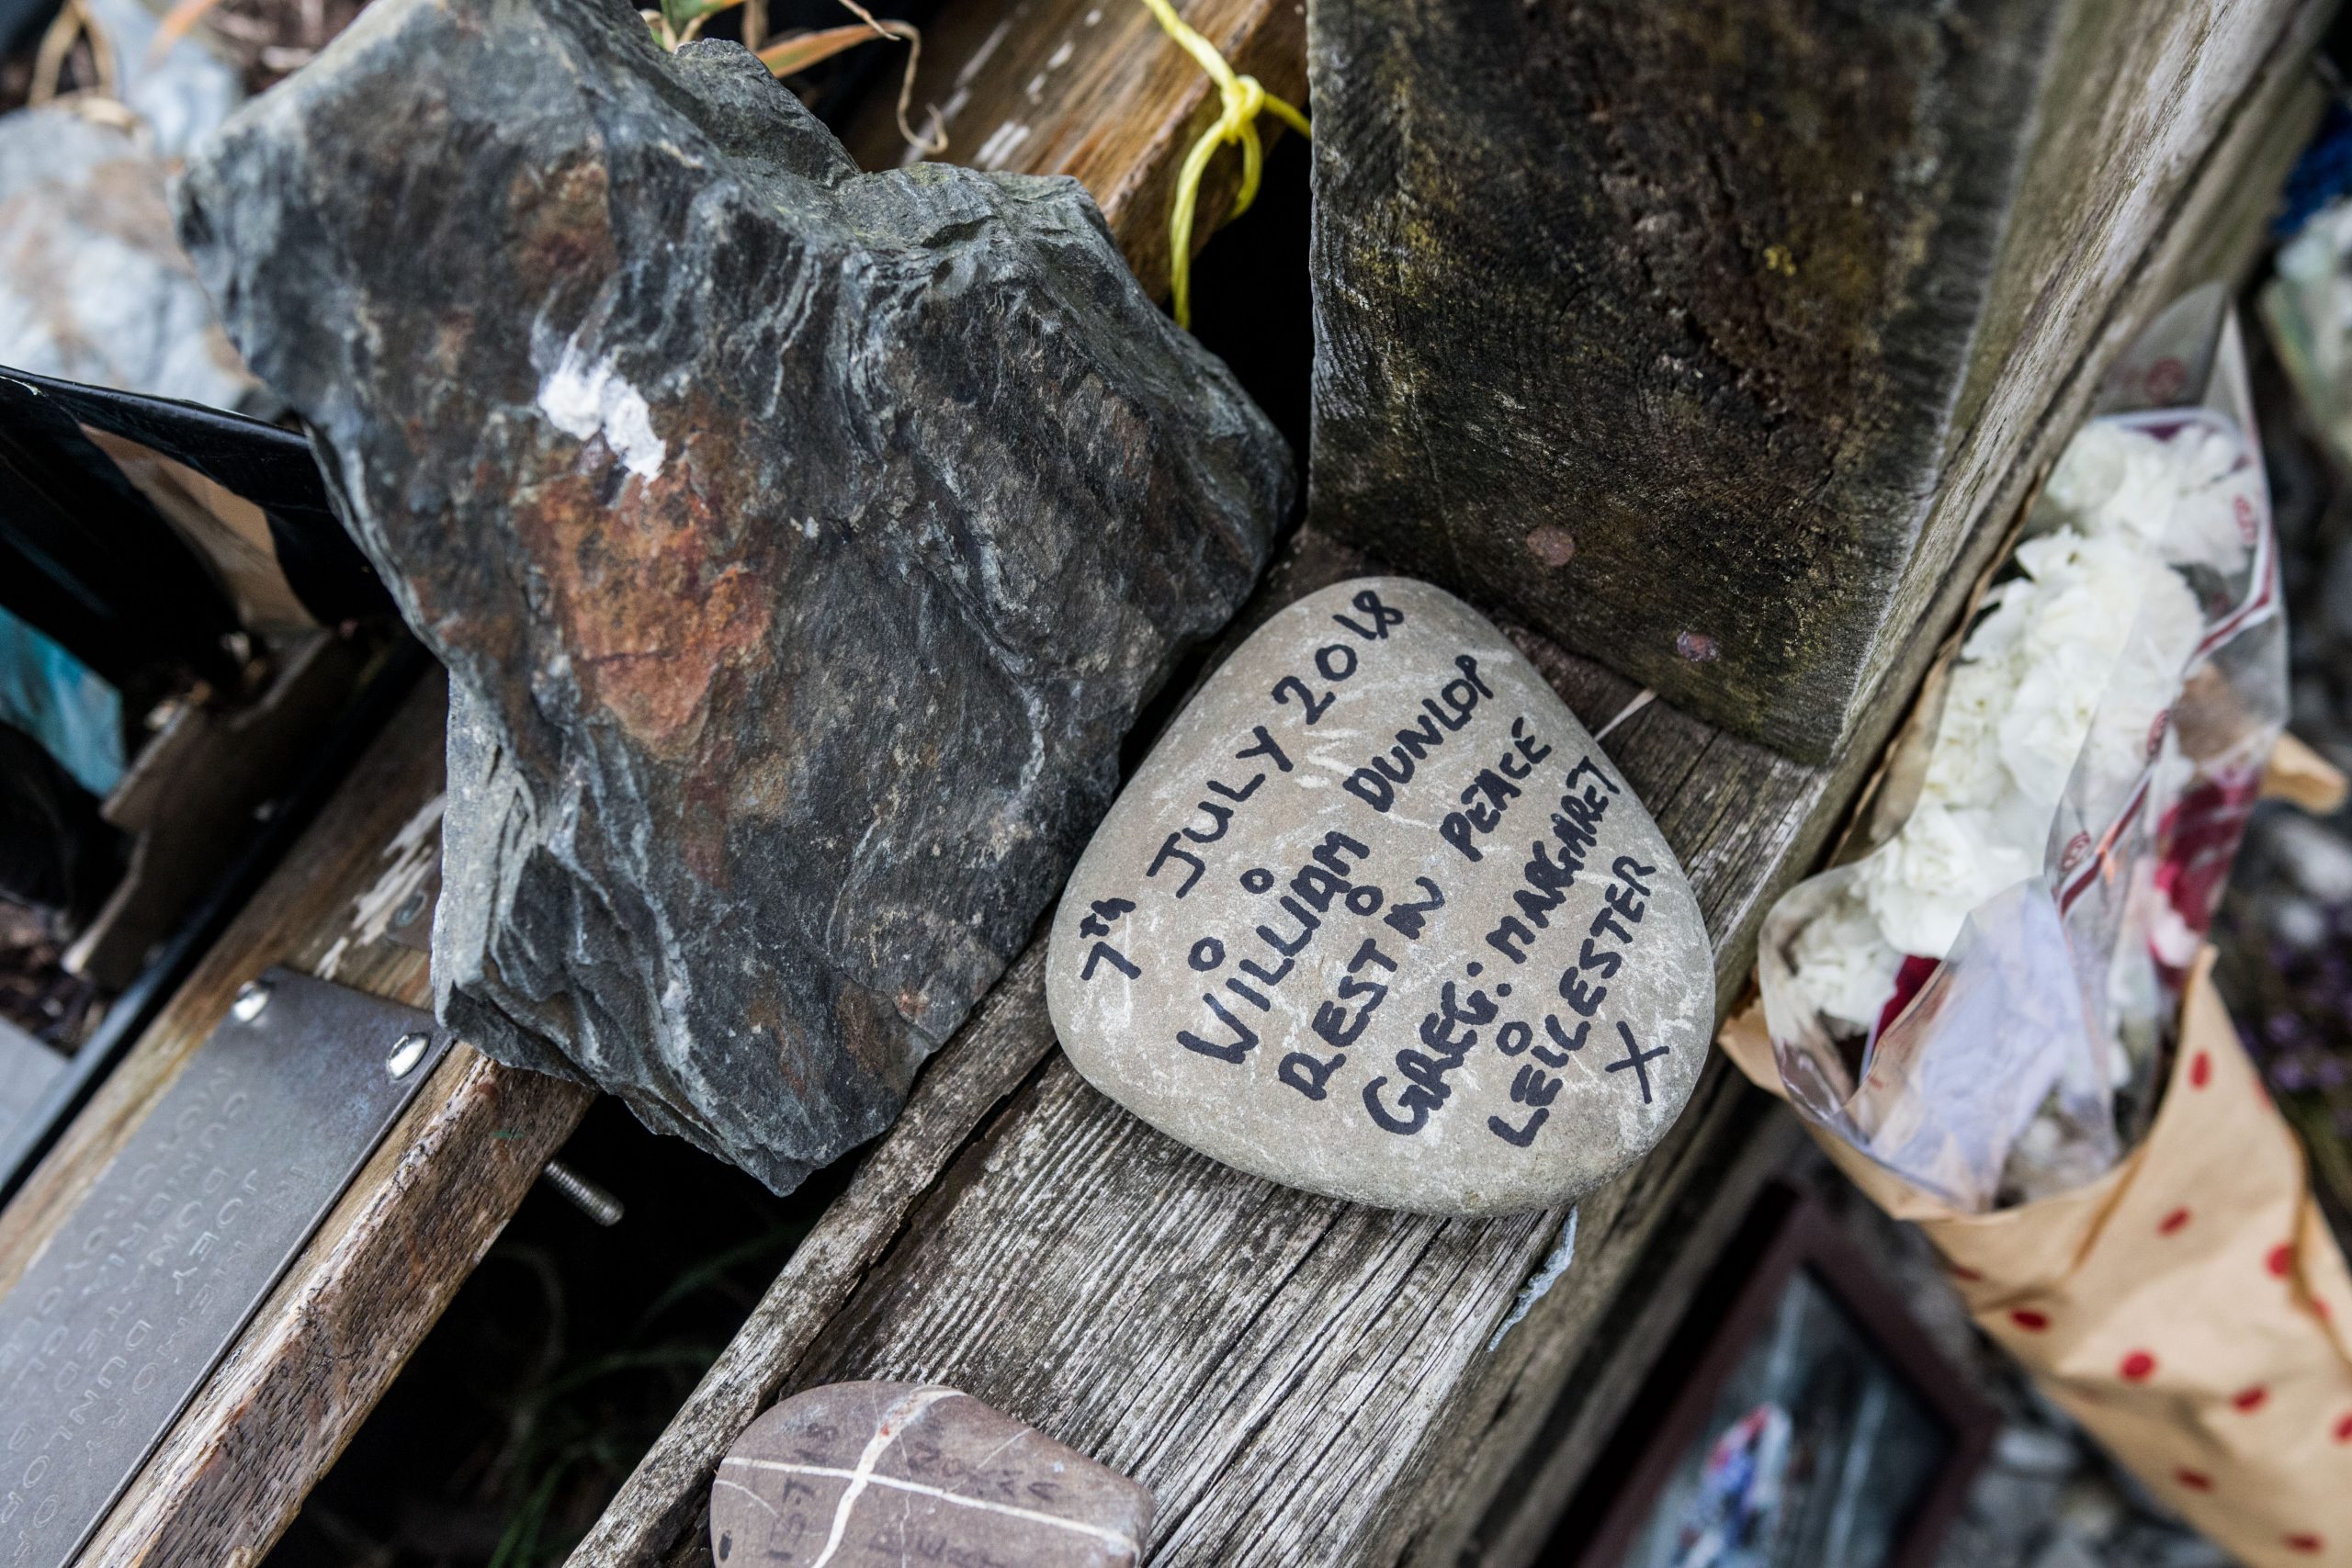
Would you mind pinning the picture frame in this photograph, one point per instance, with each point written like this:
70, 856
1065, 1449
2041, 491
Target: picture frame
1799, 1417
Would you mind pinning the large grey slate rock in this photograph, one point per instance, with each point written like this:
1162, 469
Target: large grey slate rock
800, 542
1378, 918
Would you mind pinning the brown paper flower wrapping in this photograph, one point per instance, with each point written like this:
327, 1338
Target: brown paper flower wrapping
2187, 1308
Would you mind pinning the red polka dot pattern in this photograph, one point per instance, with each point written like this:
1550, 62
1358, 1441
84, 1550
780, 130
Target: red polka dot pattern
2189, 1329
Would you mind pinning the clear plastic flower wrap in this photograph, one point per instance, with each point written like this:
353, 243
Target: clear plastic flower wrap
1981, 998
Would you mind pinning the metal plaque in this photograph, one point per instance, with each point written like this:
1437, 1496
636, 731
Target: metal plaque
130, 1305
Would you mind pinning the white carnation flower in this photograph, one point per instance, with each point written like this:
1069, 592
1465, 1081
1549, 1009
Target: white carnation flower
1965, 767
2088, 593
2144, 684
2051, 558
2218, 495
2112, 477
1921, 884
2049, 719
2001, 625
2204, 459
2171, 620
2074, 660
2206, 530
2086, 597
2180, 497
1844, 966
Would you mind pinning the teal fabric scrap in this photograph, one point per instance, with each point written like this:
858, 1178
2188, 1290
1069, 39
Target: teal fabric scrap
60, 702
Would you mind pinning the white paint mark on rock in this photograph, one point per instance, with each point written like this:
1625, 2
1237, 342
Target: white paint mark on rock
587, 401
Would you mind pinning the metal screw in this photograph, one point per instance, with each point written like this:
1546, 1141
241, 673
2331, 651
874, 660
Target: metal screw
251, 997
407, 1052
411, 907
586, 1196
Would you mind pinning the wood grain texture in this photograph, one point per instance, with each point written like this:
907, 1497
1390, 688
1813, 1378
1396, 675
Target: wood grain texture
2162, 143
1779, 304
1543, 1441
1595, 1349
1002, 1045
343, 1318
1093, 89
1297, 1379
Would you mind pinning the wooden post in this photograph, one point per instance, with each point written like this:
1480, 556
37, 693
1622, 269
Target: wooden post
1700, 332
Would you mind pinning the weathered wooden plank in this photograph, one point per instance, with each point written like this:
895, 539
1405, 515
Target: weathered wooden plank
1284, 1370
1092, 88
1716, 385
1002, 1045
331, 1337
900, 1273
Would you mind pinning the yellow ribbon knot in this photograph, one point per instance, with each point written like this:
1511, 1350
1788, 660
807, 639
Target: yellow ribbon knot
1242, 98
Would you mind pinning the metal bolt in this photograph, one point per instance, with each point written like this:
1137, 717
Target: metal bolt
411, 907
251, 997
586, 1196
407, 1052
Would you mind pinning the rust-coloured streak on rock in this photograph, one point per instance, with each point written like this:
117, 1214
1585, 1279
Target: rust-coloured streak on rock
652, 593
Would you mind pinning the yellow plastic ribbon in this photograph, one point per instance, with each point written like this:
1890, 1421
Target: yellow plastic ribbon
1243, 97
